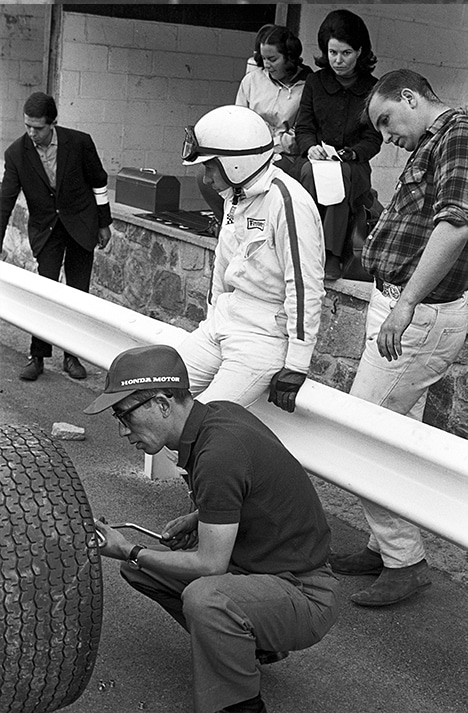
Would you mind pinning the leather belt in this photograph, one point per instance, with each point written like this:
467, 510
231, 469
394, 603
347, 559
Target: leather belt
394, 293
388, 290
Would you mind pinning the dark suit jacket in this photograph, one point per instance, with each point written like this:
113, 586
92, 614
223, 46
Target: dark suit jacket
79, 170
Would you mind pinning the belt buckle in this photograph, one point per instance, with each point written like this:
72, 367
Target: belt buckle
391, 291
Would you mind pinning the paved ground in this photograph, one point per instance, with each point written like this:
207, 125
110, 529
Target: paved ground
409, 658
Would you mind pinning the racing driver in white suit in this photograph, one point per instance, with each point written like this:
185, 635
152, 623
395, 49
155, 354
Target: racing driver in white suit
267, 285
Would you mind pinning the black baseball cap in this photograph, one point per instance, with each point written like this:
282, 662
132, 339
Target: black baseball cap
141, 368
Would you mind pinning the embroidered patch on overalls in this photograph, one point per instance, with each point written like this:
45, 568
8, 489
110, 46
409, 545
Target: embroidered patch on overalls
256, 223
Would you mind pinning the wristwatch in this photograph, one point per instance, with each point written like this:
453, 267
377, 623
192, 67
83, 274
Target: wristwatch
133, 556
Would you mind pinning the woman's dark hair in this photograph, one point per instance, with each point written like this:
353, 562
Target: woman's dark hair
346, 26
285, 42
40, 105
258, 41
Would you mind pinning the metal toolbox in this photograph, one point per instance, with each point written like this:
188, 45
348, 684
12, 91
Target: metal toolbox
147, 189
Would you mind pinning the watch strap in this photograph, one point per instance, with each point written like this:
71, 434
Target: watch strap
133, 556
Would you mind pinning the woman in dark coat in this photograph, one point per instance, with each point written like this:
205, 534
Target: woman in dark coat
331, 111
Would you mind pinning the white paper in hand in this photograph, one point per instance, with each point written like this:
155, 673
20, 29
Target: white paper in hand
328, 182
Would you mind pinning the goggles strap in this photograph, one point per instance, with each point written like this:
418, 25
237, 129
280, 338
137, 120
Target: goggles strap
234, 152
192, 149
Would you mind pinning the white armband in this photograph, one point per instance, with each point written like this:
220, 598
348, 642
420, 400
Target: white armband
101, 195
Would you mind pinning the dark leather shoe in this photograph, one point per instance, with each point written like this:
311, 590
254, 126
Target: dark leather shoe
253, 705
364, 562
267, 657
394, 585
33, 369
74, 368
332, 267
242, 710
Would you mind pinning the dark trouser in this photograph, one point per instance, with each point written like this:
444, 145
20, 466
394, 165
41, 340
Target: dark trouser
286, 163
231, 615
78, 265
335, 218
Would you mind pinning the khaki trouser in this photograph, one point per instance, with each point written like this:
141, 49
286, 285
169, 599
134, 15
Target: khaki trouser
430, 345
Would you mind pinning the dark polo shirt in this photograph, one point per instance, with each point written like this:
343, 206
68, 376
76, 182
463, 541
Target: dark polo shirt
239, 472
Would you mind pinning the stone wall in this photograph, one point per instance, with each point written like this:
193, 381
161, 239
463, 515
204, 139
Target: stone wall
161, 272
164, 272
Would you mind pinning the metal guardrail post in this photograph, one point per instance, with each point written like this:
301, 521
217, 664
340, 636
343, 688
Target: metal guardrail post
161, 466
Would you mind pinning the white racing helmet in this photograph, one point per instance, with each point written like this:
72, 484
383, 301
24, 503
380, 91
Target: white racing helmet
236, 137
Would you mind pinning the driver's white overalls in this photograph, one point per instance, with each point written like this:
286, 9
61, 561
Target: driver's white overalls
267, 288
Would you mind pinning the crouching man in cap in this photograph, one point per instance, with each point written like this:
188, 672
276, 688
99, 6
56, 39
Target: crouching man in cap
246, 573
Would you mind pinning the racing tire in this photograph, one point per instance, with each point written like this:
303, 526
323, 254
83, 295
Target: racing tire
50, 575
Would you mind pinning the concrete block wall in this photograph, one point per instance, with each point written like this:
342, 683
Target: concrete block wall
21, 58
431, 39
134, 85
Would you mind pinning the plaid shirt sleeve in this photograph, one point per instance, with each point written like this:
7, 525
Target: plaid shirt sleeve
451, 174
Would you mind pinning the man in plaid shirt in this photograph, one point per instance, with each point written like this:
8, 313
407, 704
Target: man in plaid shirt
418, 313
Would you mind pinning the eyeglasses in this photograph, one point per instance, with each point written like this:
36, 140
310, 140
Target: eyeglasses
122, 415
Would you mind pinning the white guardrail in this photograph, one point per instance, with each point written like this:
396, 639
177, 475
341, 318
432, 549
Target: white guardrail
412, 469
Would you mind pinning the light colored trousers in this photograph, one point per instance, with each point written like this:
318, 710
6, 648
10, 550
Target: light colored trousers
229, 616
430, 345
234, 354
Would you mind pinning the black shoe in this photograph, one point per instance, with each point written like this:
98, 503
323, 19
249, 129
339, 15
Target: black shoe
252, 705
332, 267
364, 562
242, 710
267, 657
73, 367
33, 369
394, 585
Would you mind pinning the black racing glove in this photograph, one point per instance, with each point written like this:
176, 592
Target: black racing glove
284, 387
347, 154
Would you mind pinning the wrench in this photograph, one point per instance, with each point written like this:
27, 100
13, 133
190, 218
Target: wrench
120, 525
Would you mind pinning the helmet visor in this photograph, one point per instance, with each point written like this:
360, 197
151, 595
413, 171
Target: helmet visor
190, 148
192, 152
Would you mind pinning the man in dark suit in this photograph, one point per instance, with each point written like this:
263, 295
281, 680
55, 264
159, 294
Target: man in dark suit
65, 186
